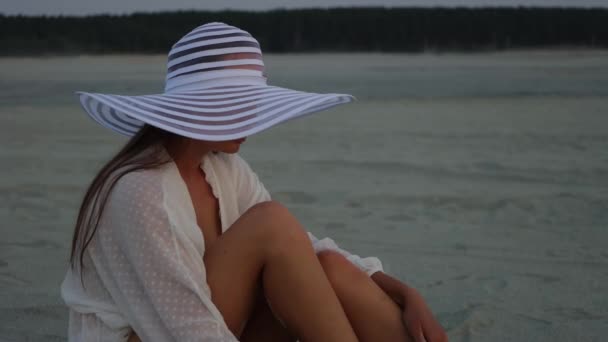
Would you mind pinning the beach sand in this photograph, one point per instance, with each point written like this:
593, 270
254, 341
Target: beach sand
481, 180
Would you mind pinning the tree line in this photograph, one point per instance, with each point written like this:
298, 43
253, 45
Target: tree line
375, 29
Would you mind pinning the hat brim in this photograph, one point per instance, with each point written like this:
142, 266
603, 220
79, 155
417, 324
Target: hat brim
212, 114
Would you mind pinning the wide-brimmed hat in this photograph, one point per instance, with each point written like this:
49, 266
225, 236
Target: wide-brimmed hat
215, 90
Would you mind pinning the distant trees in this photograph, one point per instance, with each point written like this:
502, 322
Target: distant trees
336, 29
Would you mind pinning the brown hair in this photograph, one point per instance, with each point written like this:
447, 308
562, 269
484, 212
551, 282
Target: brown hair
128, 159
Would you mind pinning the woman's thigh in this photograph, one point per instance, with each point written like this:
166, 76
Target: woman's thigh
235, 260
263, 326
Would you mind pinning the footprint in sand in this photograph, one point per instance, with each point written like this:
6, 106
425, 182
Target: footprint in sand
435, 283
543, 278
362, 214
399, 218
335, 225
296, 197
575, 314
466, 322
461, 277
492, 284
12, 280
354, 204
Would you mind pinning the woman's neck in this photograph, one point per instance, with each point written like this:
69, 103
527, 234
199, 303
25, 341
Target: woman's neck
187, 155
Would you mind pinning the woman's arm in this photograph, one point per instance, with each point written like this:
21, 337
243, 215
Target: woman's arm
417, 316
394, 288
152, 270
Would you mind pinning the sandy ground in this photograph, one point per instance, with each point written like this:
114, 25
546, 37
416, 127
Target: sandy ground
481, 180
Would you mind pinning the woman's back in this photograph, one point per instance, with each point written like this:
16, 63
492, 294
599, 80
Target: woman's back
93, 312
146, 241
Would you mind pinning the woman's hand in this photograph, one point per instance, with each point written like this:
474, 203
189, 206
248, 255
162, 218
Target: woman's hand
417, 316
419, 319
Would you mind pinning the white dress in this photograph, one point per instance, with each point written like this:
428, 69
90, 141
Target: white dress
144, 268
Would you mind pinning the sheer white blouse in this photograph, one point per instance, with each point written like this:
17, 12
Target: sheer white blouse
144, 268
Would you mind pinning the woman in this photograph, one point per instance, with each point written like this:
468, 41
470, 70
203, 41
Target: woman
177, 239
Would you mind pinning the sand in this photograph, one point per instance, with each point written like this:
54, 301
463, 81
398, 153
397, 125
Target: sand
481, 180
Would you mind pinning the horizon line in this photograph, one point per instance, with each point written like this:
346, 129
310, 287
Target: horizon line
168, 11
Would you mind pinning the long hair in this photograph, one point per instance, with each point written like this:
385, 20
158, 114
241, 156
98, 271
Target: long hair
130, 158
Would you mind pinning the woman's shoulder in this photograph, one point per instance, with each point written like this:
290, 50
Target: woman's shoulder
135, 204
133, 177
143, 185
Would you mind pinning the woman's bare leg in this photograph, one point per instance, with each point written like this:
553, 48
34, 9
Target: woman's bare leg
372, 313
360, 296
263, 326
268, 244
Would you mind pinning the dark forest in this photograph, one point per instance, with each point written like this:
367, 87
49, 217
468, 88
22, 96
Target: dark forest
310, 30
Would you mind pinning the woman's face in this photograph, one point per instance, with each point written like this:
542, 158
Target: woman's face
228, 146
177, 143
203, 146
233, 146
243, 55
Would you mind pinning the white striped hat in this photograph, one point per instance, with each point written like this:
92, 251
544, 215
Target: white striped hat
215, 90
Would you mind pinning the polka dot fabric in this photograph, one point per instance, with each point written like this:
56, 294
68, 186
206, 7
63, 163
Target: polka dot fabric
144, 269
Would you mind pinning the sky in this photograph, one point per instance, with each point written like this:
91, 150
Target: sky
86, 7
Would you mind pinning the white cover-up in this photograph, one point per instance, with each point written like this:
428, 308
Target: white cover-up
144, 268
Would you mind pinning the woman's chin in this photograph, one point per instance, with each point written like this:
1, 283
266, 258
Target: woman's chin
234, 148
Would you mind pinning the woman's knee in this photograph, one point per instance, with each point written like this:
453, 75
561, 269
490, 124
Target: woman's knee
338, 269
276, 224
268, 209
